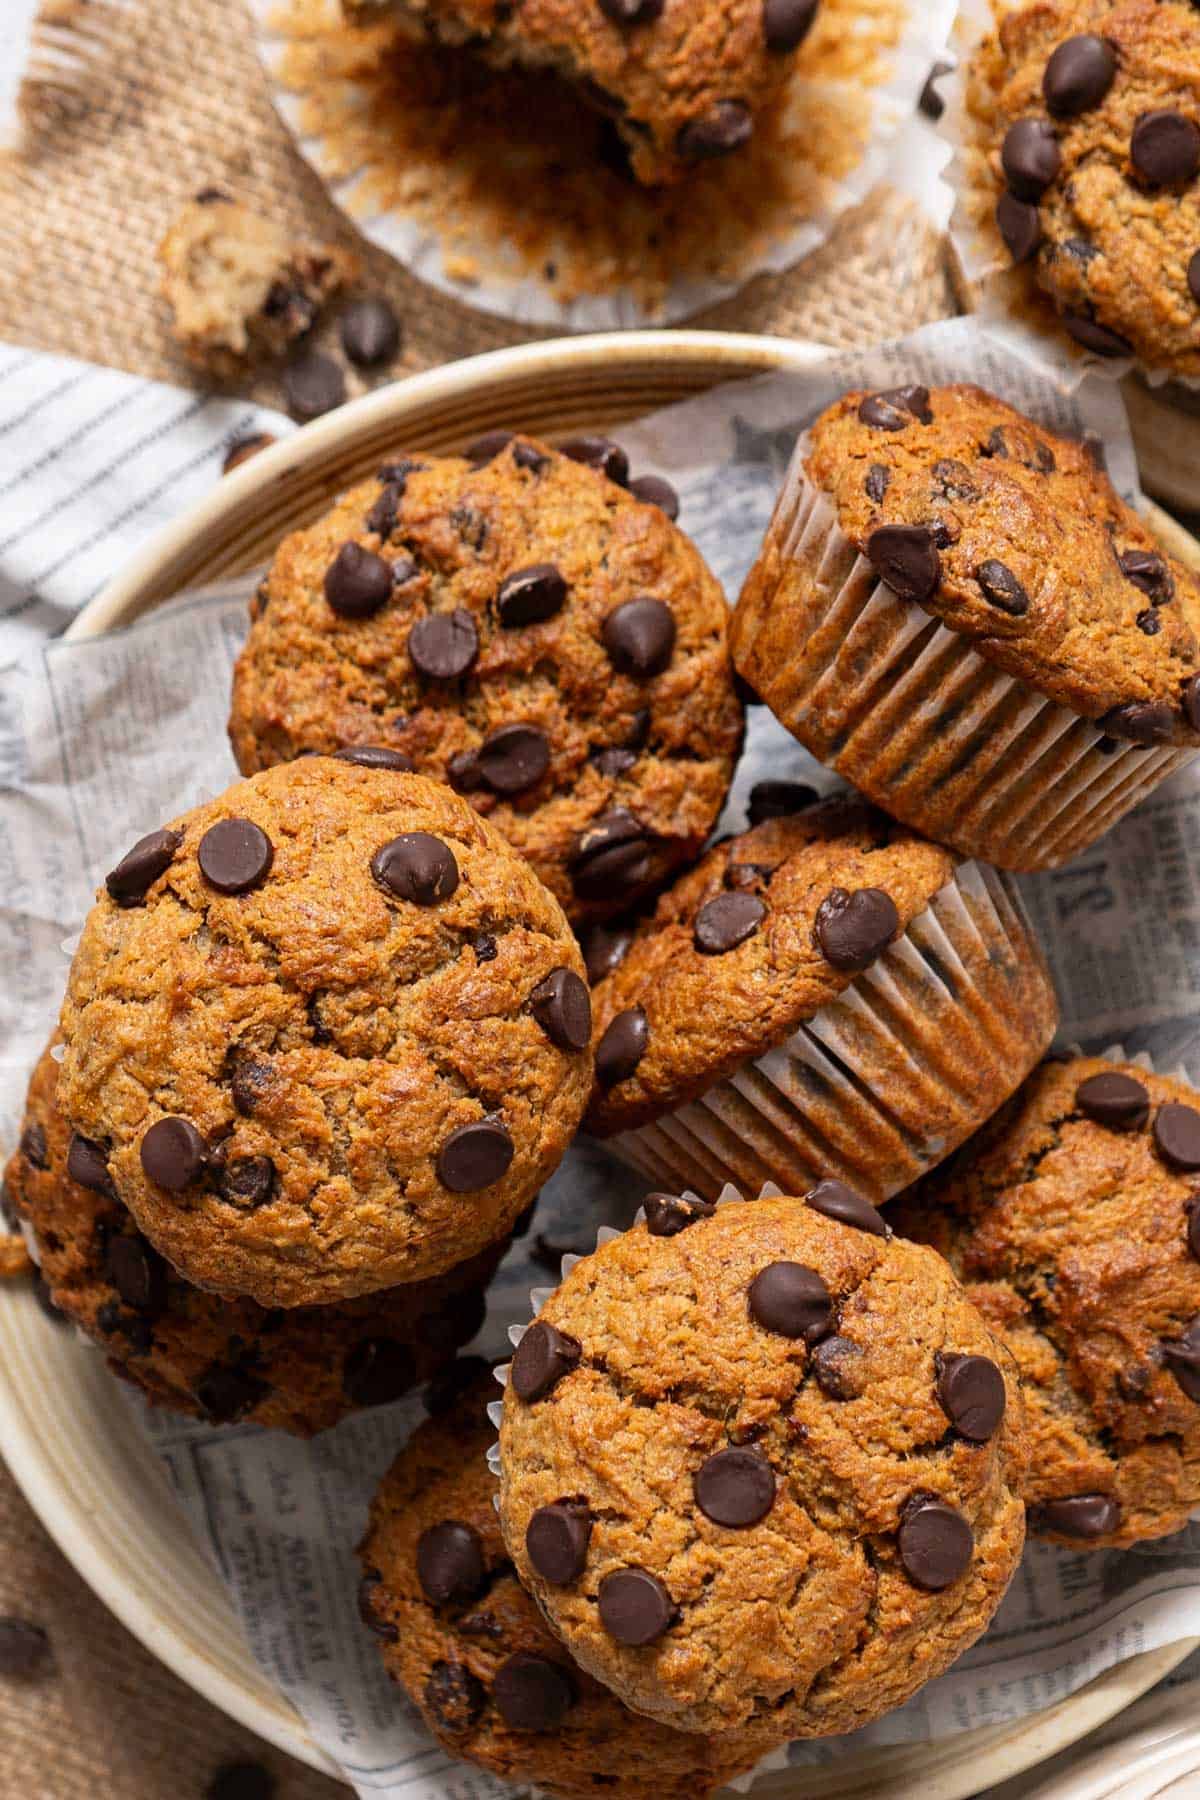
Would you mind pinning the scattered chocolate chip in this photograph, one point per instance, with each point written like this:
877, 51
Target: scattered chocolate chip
474, 1156
727, 921
370, 332
528, 596
935, 1544
622, 1046
599, 453
1030, 157
463, 772
894, 409
444, 645
1149, 621
953, 480
611, 858
173, 1153
878, 480
779, 799
138, 1273
852, 929
930, 103
835, 1200
235, 855
1182, 1356
836, 1365
604, 949
455, 1697
1177, 1136
248, 1181
726, 127
786, 23
972, 1395
906, 558
226, 1394
150, 857
1165, 148
485, 947
639, 637
669, 1214
514, 758
241, 1781
211, 196
735, 1488
1020, 225
377, 1370
87, 1163
1148, 572
488, 446
543, 1356
357, 582
416, 866
312, 384
631, 12
249, 1083
1077, 1516
376, 756
450, 1564
532, 1693
368, 1607
24, 1647
612, 762
562, 1007
382, 517
33, 1146
1079, 75
1140, 722
654, 491
1113, 1100
1096, 337
556, 1539
1000, 586
635, 1607
788, 1298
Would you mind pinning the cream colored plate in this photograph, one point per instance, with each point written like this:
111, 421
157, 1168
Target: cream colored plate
67, 1435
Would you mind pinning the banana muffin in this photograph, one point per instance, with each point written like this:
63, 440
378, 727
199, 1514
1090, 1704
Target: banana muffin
516, 623
464, 1640
326, 1033
217, 1357
954, 610
825, 994
1089, 119
761, 1465
1073, 1222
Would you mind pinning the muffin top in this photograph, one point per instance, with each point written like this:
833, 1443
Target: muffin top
218, 1358
1091, 116
765, 930
467, 1644
521, 626
1014, 537
1072, 1219
760, 1473
328, 1033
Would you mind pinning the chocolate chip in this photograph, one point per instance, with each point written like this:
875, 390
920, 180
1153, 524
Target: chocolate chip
1182, 1356
416, 866
463, 772
1140, 722
312, 384
930, 103
788, 1298
972, 1394
531, 595
150, 857
727, 921
1000, 586
450, 1564
611, 857
622, 1046
1096, 337
382, 516
1177, 1136
235, 855
639, 636
779, 799
370, 332
368, 1607
487, 446
852, 929
87, 1163
669, 1214
376, 756
631, 12
1114, 1100
735, 1488
475, 1156
635, 1607
1191, 701
599, 453
906, 558
612, 763
1079, 75
241, 1781
455, 1697
248, 1181
33, 1147
556, 1539
726, 127
532, 1693
173, 1153
654, 491
514, 758
894, 409
377, 1370
786, 23
1165, 148
24, 1647
835, 1365
249, 1083
485, 947
1077, 1516
357, 582
1147, 572
935, 1544
1149, 621
444, 645
835, 1200
953, 480
138, 1273
1020, 225
226, 1393
543, 1356
1030, 157
562, 1007
604, 950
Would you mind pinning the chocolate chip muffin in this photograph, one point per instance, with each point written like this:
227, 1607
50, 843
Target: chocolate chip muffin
1090, 121
240, 286
1073, 1222
825, 994
218, 1358
326, 1033
516, 623
760, 1467
682, 83
464, 1640
953, 609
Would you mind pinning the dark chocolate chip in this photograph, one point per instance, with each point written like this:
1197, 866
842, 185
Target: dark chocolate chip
530, 595
173, 1153
450, 1563
475, 1156
556, 1539
654, 491
605, 949
894, 409
599, 453
788, 1298
1177, 1136
1191, 701
514, 758
377, 1370
779, 799
1149, 621
24, 1647
235, 855
1096, 337
836, 1365
471, 526
906, 558
930, 103
455, 1697
463, 772
835, 1200
226, 1393
1020, 225
1077, 1516
249, 1083
487, 446
622, 1046
376, 756
639, 636
150, 857
248, 1181
312, 384
138, 1273
611, 857
1079, 75
1182, 1356
532, 1693
368, 1608
635, 1607
382, 517
735, 1488
786, 23
87, 1163
972, 1394
562, 1007
1001, 587
727, 921
416, 866
543, 1356
370, 332
241, 1781
1140, 722
1165, 148
725, 127
485, 947
357, 582
444, 645
631, 12
1114, 1100
1148, 572
853, 929
33, 1146
953, 480
878, 480
1030, 157
669, 1214
613, 763
935, 1544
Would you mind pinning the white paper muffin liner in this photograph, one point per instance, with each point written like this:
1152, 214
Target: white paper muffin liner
909, 712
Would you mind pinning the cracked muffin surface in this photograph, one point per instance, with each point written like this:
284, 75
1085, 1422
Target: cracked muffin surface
217, 1357
756, 1424
523, 627
326, 1034
1072, 1220
465, 1641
